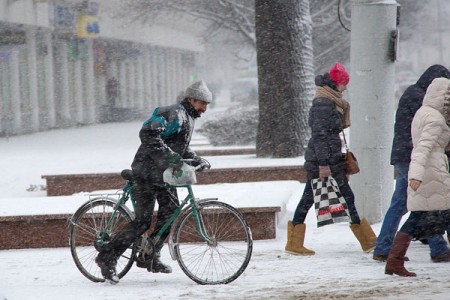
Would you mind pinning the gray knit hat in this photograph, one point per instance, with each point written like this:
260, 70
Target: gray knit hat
199, 91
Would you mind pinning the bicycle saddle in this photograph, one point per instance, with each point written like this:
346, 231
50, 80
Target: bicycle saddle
127, 174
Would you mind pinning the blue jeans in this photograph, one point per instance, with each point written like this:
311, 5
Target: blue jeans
395, 213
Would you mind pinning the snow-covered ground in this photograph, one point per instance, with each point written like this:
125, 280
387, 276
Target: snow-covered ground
339, 270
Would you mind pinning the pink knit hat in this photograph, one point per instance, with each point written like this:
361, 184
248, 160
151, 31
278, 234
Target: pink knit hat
339, 74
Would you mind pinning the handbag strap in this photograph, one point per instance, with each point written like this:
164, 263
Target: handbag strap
345, 141
343, 134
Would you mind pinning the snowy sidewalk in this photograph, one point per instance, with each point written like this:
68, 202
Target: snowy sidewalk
339, 270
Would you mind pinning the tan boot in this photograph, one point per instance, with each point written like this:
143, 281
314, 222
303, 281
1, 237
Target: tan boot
395, 263
359, 234
296, 237
371, 238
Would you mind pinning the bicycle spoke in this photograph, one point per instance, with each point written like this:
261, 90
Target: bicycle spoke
89, 231
225, 256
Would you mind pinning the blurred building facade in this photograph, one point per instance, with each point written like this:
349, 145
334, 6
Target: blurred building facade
67, 63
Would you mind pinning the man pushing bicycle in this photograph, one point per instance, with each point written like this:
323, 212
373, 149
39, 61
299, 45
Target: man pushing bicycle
165, 139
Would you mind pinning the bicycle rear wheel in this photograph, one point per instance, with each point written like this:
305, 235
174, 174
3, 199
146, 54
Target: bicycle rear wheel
224, 258
86, 225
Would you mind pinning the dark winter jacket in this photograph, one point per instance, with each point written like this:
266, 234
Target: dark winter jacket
409, 103
168, 130
324, 147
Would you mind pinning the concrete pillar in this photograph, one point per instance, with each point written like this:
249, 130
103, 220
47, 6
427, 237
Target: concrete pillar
16, 99
78, 105
372, 104
131, 99
181, 74
171, 77
32, 78
49, 81
140, 83
176, 76
62, 77
161, 78
91, 103
147, 81
123, 84
154, 79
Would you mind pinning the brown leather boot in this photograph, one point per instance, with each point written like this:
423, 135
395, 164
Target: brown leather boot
395, 262
296, 237
357, 230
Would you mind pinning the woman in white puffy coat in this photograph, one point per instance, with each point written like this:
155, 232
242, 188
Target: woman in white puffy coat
429, 177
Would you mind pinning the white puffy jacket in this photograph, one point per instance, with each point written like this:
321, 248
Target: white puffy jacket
429, 163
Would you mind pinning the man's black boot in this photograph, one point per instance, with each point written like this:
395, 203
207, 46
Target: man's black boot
108, 268
157, 266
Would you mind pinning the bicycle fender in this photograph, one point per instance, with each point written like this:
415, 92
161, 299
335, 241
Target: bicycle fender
98, 199
207, 199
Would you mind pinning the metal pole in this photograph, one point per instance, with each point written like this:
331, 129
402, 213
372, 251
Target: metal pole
372, 104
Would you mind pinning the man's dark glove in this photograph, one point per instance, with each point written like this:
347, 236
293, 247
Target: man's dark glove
175, 161
201, 163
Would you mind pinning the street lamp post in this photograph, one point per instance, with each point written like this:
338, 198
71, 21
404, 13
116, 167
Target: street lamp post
373, 42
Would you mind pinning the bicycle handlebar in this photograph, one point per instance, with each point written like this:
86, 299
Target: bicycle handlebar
203, 165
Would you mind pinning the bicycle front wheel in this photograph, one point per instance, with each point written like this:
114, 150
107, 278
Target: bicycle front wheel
86, 236
220, 260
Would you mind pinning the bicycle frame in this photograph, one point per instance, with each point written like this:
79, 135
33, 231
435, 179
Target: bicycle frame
189, 202
123, 199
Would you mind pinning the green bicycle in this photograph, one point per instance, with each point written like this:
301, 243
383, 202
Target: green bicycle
210, 240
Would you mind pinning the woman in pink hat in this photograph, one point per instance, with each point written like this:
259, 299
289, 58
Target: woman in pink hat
328, 116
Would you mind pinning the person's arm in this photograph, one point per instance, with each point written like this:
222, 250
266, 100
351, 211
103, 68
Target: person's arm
151, 138
421, 152
320, 133
189, 153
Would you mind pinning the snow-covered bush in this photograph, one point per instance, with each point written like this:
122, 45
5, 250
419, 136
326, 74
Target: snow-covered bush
235, 126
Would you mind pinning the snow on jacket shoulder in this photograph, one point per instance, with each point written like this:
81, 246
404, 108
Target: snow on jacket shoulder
429, 164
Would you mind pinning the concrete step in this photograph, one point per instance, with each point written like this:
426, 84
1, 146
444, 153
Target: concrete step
48, 231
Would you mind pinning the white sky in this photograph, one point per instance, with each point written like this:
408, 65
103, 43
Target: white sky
338, 270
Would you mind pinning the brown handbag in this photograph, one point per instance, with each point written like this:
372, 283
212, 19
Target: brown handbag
351, 163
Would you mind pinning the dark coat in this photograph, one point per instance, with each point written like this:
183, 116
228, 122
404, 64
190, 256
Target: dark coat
324, 147
168, 130
409, 103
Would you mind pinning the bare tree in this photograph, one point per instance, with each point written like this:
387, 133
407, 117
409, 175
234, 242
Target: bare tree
236, 16
285, 74
331, 32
